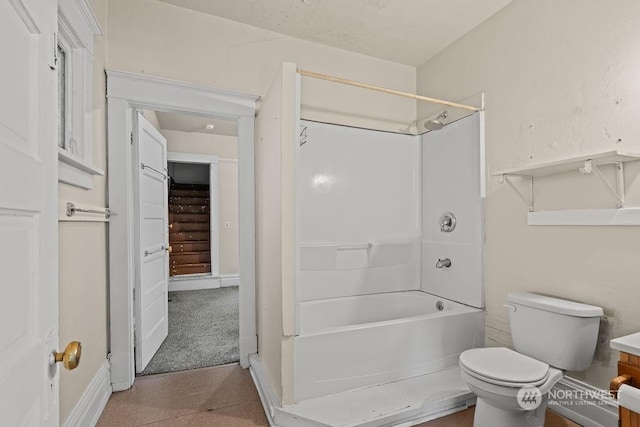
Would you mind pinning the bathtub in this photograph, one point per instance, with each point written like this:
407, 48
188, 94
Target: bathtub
354, 342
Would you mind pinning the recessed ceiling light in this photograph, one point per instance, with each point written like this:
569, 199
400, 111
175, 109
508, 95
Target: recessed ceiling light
210, 126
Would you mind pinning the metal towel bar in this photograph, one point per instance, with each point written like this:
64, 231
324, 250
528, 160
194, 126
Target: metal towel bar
143, 166
161, 248
72, 209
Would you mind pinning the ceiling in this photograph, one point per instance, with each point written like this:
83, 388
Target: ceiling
403, 31
196, 124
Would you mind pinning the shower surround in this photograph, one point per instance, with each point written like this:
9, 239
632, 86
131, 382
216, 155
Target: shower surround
379, 283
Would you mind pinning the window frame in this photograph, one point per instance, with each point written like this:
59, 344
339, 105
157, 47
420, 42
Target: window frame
76, 27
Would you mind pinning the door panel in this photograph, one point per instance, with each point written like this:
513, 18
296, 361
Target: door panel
28, 217
152, 285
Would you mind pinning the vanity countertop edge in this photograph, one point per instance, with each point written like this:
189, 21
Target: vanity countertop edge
628, 344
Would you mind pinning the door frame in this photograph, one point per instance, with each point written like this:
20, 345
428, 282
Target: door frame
214, 200
126, 92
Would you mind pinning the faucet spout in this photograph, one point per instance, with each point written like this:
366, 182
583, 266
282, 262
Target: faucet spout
443, 263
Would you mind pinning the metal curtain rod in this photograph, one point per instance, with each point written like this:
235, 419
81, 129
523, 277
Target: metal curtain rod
385, 90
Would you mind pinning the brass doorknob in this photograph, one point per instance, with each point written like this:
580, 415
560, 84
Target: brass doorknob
169, 249
70, 357
170, 226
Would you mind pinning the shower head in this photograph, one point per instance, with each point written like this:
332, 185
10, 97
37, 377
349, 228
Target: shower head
436, 124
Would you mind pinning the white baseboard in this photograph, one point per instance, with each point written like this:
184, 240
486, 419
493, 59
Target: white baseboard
122, 386
587, 407
261, 380
90, 406
193, 282
226, 281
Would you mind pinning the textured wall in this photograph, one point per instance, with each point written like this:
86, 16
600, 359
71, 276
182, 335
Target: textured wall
163, 40
561, 79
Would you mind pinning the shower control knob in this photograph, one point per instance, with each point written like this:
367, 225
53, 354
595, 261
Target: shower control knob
447, 222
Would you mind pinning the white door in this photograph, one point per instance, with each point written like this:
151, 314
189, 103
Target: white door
152, 210
28, 217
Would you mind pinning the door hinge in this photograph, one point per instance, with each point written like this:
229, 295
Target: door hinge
131, 135
54, 57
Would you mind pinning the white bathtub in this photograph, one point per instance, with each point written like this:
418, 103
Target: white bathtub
353, 342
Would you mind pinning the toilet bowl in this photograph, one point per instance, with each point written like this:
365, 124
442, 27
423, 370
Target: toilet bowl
549, 335
498, 377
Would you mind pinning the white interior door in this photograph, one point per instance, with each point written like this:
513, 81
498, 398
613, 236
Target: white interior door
28, 217
152, 210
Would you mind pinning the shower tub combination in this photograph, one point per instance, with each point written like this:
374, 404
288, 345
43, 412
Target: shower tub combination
354, 342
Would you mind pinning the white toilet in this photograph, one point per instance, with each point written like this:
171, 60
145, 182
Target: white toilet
550, 335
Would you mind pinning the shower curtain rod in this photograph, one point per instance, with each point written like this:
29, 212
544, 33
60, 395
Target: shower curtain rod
385, 90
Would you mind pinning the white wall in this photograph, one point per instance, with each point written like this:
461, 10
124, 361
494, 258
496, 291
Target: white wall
228, 200
453, 181
82, 248
270, 294
561, 79
201, 143
152, 117
226, 148
146, 36
358, 187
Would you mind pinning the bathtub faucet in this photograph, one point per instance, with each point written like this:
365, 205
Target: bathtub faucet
443, 263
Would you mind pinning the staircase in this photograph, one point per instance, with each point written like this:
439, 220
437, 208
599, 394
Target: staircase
189, 229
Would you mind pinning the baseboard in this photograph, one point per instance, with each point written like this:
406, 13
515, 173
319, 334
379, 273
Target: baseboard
193, 282
583, 404
121, 386
226, 281
199, 281
261, 380
90, 406
248, 346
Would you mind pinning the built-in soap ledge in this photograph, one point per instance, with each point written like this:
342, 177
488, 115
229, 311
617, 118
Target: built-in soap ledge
360, 255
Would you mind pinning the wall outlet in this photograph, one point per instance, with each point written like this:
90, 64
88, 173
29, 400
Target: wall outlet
227, 224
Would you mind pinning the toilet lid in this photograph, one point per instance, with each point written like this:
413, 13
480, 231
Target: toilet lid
503, 365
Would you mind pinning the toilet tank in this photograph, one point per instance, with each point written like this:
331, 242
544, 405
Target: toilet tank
558, 332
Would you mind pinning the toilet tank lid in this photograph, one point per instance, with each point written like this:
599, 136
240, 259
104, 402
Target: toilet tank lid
554, 305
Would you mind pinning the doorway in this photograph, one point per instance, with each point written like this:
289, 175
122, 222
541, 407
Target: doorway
126, 92
202, 218
192, 213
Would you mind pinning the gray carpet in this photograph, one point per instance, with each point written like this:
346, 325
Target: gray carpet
203, 331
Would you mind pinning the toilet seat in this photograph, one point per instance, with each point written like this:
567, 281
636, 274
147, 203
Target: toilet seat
504, 367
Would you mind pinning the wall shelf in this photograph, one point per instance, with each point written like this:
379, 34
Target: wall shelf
574, 163
625, 216
586, 164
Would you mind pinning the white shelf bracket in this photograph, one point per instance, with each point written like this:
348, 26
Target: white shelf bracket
618, 192
527, 200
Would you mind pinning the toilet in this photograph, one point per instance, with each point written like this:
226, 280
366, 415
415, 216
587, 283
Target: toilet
550, 335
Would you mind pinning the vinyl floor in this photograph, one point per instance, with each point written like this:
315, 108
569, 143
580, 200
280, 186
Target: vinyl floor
219, 396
